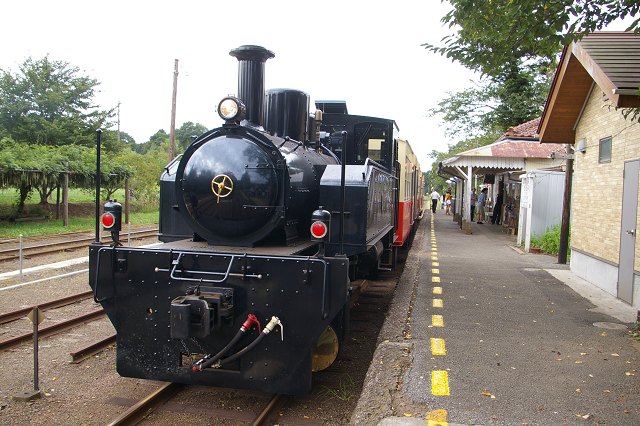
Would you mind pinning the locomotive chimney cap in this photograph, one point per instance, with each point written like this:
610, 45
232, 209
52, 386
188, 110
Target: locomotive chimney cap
252, 53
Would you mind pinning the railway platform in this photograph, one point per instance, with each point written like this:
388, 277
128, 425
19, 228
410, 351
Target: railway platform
481, 333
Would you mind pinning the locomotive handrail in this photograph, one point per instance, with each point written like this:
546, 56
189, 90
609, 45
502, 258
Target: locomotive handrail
325, 282
168, 166
226, 274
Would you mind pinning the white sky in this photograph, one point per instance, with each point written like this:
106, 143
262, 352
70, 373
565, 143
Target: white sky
365, 52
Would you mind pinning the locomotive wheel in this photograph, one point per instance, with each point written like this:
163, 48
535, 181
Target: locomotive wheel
325, 351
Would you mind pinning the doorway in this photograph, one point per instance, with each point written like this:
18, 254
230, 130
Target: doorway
628, 230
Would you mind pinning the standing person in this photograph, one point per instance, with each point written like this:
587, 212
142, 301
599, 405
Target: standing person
497, 210
447, 201
435, 196
480, 204
474, 200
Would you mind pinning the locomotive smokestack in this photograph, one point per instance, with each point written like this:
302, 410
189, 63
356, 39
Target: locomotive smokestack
251, 61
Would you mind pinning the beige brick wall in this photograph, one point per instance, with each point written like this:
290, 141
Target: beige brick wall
597, 187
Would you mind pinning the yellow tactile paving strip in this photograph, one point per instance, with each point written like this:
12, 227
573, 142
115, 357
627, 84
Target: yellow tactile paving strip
439, 378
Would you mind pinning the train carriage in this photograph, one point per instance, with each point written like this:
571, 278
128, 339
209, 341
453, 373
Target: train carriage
411, 192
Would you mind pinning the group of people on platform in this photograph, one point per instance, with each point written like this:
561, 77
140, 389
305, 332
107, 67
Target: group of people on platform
476, 202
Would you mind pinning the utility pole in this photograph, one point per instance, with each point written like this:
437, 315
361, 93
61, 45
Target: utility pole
172, 137
118, 133
563, 247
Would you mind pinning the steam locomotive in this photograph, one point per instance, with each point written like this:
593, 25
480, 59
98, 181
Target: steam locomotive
266, 221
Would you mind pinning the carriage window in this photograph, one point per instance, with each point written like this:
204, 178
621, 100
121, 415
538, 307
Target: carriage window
370, 141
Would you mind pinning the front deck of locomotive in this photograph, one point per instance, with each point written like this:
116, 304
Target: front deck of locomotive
177, 306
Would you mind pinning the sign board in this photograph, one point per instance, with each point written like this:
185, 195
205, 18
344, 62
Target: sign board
41, 316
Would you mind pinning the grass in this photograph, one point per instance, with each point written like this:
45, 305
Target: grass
635, 331
8, 196
53, 226
345, 391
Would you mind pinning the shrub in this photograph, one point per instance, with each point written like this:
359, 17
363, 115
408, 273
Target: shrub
549, 242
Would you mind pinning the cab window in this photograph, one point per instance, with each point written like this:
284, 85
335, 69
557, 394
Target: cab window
371, 141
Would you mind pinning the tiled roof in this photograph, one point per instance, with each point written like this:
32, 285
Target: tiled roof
528, 130
524, 149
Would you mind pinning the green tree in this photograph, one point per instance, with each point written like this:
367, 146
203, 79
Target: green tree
148, 166
185, 134
154, 142
30, 168
489, 33
49, 103
495, 104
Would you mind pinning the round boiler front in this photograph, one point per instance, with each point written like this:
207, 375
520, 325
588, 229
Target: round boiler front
229, 187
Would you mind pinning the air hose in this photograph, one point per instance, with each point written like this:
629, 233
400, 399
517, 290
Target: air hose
208, 360
267, 329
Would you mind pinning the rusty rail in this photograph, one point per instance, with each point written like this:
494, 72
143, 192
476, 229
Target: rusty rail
19, 313
88, 351
51, 330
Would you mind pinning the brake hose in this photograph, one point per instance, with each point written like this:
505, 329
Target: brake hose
208, 360
267, 329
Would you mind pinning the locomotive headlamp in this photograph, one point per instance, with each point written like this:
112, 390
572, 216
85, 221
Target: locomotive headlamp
231, 109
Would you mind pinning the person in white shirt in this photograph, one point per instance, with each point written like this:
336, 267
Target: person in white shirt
435, 196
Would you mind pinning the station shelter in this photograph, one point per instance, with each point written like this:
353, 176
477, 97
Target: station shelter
501, 167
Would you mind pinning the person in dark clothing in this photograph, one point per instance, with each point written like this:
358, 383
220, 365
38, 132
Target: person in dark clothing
497, 211
474, 200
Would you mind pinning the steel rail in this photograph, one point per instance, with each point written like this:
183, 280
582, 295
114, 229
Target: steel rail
42, 237
147, 405
19, 313
14, 342
357, 292
14, 253
275, 404
88, 351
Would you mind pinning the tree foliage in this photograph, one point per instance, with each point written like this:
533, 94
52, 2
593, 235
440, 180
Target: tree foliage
185, 134
439, 182
489, 33
184, 137
494, 104
40, 168
49, 103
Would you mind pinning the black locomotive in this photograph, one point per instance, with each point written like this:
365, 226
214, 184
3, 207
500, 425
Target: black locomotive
265, 222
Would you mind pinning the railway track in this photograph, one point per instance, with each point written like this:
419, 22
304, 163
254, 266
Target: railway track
56, 246
25, 338
244, 407
159, 398
20, 313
